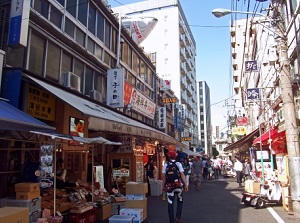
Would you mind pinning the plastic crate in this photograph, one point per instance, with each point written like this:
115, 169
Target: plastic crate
33, 205
120, 219
34, 216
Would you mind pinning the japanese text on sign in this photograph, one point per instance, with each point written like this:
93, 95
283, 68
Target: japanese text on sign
40, 104
169, 100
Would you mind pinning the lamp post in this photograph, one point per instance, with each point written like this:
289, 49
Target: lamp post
291, 130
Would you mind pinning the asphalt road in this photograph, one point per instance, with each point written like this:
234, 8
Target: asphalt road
217, 201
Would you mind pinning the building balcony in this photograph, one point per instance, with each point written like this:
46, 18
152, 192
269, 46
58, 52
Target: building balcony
183, 83
182, 40
183, 68
183, 55
181, 27
183, 97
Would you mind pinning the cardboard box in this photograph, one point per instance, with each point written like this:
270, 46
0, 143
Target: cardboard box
133, 212
136, 188
135, 196
27, 187
252, 187
139, 204
103, 212
14, 215
27, 195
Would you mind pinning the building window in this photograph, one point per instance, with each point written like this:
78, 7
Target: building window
69, 27
88, 81
92, 19
37, 45
98, 51
66, 64
80, 36
82, 11
107, 35
100, 83
42, 7
62, 2
56, 17
100, 27
71, 7
91, 45
79, 71
53, 62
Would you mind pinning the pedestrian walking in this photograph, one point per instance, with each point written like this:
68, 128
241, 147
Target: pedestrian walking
197, 172
248, 169
174, 183
238, 167
187, 170
149, 169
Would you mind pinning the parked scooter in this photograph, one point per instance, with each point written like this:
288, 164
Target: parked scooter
270, 193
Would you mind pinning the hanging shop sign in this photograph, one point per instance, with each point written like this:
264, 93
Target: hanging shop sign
18, 23
251, 65
165, 85
40, 104
115, 88
162, 118
121, 172
253, 94
240, 130
169, 100
185, 139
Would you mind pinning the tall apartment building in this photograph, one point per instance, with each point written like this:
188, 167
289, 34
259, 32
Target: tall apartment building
204, 117
175, 48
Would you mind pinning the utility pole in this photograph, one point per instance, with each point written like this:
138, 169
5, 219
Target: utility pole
291, 129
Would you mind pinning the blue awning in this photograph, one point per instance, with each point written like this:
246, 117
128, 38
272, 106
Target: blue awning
12, 118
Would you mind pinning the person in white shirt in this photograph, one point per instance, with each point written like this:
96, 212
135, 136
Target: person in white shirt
238, 167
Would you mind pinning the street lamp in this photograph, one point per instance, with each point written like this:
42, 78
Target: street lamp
222, 12
291, 130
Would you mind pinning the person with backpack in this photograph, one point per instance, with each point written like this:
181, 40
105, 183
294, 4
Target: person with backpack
174, 183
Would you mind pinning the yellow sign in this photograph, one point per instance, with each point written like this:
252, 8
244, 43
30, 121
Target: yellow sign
40, 104
185, 139
169, 100
241, 130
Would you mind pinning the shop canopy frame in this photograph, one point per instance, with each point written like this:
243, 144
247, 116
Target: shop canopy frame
13, 119
245, 141
96, 140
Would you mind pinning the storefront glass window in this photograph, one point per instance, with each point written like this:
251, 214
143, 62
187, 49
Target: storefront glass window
82, 11
92, 19
71, 7
53, 62
36, 56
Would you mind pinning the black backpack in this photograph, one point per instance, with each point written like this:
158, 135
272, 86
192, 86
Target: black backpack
172, 175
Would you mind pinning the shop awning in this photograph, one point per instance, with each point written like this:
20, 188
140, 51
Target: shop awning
105, 119
246, 140
12, 118
272, 134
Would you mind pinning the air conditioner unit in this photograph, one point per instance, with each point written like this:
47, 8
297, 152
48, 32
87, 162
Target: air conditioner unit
96, 95
71, 80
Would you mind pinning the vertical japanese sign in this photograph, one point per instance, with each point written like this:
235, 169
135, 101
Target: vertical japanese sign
115, 88
18, 23
251, 65
162, 118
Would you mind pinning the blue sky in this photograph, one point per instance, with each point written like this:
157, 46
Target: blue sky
212, 38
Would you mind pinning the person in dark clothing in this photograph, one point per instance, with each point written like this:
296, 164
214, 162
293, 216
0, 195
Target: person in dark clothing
60, 174
149, 169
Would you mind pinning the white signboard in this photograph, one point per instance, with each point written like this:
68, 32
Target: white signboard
142, 104
18, 23
115, 88
162, 118
165, 85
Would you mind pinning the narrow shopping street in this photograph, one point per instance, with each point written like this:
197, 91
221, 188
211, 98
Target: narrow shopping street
217, 201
